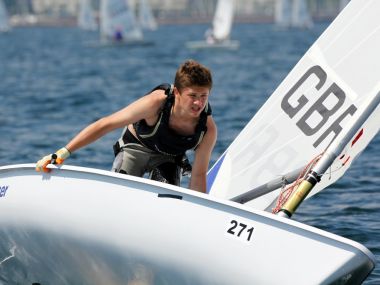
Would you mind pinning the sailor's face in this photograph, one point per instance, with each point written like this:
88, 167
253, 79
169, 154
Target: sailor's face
194, 99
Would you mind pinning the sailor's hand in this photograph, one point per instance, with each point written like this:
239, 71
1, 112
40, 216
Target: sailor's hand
55, 158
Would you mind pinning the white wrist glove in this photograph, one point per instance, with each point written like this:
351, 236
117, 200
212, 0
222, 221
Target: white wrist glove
55, 158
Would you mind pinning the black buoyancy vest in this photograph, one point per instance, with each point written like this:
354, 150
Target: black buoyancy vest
165, 140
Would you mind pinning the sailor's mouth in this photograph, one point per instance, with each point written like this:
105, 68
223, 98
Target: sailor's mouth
195, 109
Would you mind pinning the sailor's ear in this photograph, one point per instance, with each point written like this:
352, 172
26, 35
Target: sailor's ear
176, 91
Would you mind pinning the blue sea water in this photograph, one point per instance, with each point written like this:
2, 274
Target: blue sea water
55, 81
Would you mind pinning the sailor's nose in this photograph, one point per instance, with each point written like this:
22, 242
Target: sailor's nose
197, 102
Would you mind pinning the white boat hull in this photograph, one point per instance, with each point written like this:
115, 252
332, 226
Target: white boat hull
85, 226
227, 44
122, 44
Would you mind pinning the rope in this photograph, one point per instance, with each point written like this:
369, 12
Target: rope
286, 192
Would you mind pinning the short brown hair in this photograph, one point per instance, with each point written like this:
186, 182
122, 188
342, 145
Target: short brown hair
191, 73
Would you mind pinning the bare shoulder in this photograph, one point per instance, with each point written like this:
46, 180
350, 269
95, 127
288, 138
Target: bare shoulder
157, 96
211, 134
154, 101
211, 125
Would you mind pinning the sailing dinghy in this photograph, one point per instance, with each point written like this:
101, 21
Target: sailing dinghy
145, 16
219, 35
118, 25
86, 18
78, 225
292, 14
4, 19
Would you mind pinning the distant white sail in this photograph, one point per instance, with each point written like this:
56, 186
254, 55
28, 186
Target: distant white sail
292, 13
283, 12
223, 19
334, 80
300, 14
86, 19
146, 18
4, 19
118, 21
218, 36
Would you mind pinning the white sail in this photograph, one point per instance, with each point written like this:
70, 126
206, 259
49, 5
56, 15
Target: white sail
283, 12
223, 19
4, 19
118, 22
86, 19
219, 35
300, 15
335, 79
292, 13
146, 18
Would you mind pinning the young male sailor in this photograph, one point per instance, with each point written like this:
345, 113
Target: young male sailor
159, 128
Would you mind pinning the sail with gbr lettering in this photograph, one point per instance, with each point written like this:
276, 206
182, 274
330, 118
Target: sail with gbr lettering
332, 82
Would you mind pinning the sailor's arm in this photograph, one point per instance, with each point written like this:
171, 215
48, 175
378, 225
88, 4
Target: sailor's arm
144, 108
202, 158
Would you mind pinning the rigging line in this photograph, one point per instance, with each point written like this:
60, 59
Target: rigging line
332, 171
287, 192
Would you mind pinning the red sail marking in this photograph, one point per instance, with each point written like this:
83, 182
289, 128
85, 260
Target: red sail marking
357, 137
352, 143
347, 159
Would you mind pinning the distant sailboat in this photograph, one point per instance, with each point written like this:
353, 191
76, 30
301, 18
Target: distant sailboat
118, 23
4, 20
145, 16
292, 13
86, 19
219, 35
300, 14
282, 14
